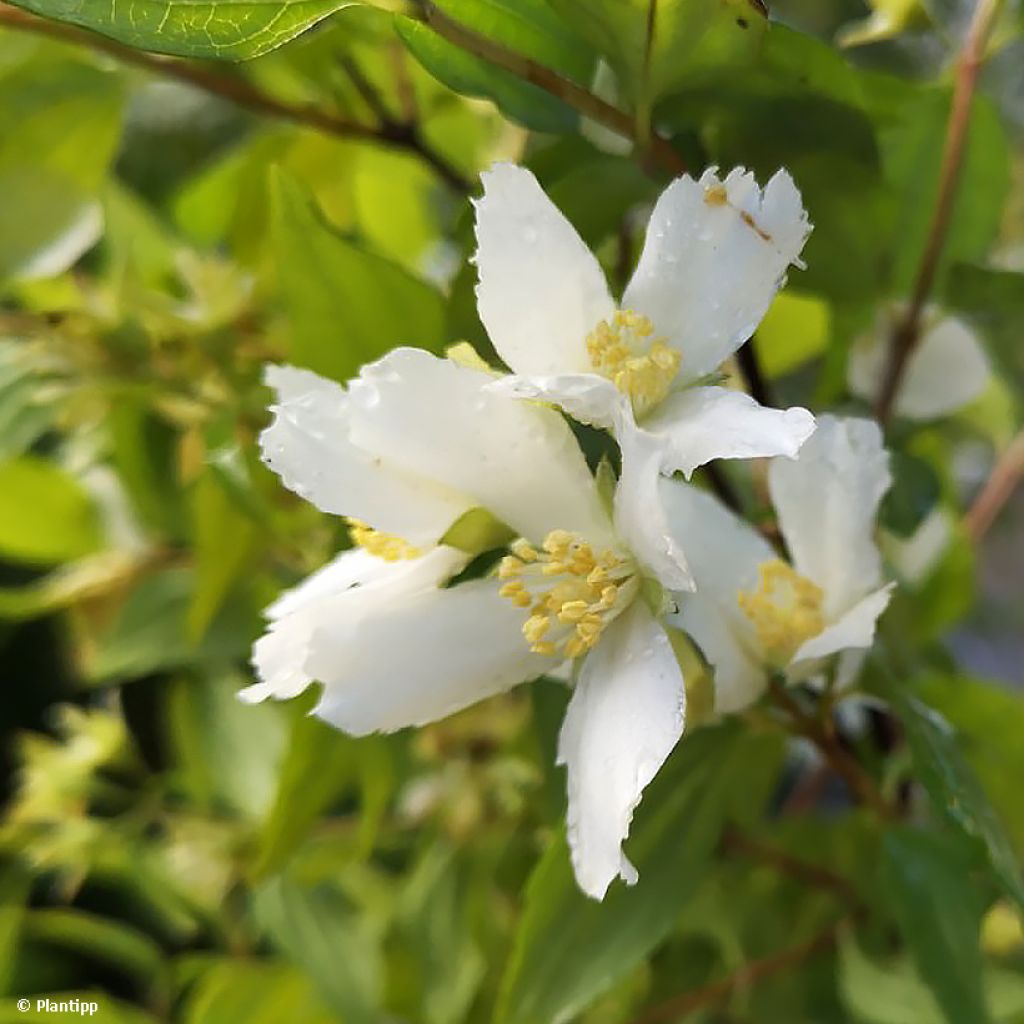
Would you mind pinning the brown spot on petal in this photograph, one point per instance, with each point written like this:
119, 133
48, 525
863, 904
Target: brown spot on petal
752, 224
716, 195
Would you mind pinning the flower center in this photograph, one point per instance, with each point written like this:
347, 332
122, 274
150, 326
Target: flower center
571, 591
638, 364
785, 610
383, 545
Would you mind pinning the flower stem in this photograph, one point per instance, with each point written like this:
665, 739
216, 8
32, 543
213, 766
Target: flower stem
1004, 479
907, 330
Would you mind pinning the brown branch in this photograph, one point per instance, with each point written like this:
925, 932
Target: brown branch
240, 92
746, 977
907, 331
737, 842
861, 785
581, 100
1004, 479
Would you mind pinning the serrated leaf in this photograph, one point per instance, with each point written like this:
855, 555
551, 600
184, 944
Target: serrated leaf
216, 29
347, 306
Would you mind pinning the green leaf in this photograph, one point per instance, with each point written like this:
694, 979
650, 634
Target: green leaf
347, 306
238, 991
59, 127
913, 495
217, 29
45, 515
100, 939
316, 929
795, 329
657, 46
227, 753
941, 933
470, 75
149, 634
953, 788
318, 766
476, 531
912, 154
529, 27
224, 543
568, 948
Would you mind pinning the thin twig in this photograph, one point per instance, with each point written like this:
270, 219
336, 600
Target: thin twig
366, 89
1004, 479
842, 762
573, 95
240, 92
907, 331
735, 841
750, 366
746, 977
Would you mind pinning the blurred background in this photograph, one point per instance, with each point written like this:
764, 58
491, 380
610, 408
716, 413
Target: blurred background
167, 228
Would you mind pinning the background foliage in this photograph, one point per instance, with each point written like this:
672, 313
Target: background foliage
168, 225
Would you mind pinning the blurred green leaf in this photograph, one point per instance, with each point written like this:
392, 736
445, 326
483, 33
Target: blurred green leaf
45, 514
318, 766
15, 883
912, 151
255, 992
568, 948
102, 940
655, 46
226, 752
59, 128
346, 306
942, 931
795, 329
149, 633
954, 790
217, 29
224, 542
319, 933
469, 75
914, 492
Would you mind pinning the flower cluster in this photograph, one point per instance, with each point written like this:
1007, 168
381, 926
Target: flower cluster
601, 575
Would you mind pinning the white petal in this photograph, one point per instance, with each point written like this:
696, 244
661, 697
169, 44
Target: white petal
308, 445
947, 369
701, 424
586, 397
709, 271
725, 554
421, 658
740, 678
625, 716
639, 515
827, 500
856, 628
541, 291
352, 586
516, 459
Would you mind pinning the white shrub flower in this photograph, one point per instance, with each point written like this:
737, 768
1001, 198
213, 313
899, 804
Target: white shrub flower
715, 255
406, 449
754, 613
947, 369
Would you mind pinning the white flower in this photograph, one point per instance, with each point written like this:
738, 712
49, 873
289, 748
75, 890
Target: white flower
754, 613
716, 253
947, 369
408, 447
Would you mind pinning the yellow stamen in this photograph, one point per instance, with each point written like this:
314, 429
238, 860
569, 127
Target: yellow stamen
785, 610
572, 592
639, 365
382, 545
